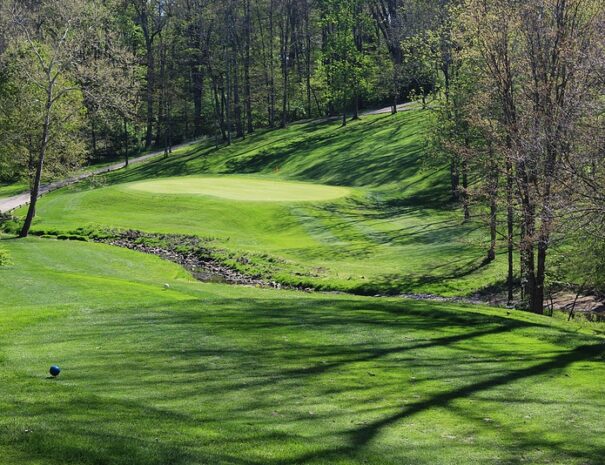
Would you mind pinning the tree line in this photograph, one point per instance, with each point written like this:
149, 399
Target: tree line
516, 87
522, 125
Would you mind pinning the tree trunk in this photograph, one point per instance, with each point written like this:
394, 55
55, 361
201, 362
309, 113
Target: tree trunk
35, 189
161, 120
247, 87
397, 59
198, 84
93, 136
465, 196
538, 300
272, 94
527, 255
308, 59
356, 107
239, 130
285, 53
218, 110
455, 178
126, 161
228, 98
510, 230
149, 89
493, 208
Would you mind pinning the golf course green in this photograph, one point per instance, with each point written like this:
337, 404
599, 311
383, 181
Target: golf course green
242, 189
158, 368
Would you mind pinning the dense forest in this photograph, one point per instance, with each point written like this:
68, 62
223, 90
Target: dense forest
515, 92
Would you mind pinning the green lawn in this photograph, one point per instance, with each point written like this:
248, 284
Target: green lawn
243, 189
212, 374
161, 369
8, 190
351, 209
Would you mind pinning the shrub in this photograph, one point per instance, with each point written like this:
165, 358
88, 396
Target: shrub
72, 237
4, 257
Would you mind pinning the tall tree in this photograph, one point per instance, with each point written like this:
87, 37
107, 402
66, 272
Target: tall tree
151, 17
538, 61
51, 69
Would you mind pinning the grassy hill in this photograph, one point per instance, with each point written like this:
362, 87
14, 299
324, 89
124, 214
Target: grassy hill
159, 368
205, 373
373, 219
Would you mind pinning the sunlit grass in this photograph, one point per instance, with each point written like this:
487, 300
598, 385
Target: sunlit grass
395, 230
201, 373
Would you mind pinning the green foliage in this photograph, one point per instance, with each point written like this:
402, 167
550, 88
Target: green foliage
22, 111
343, 62
580, 262
4, 257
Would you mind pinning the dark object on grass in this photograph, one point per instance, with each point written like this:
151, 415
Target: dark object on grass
54, 370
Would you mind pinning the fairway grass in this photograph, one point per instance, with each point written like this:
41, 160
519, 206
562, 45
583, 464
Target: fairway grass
315, 205
213, 374
242, 188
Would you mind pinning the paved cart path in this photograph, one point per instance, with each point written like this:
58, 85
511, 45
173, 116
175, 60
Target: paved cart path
11, 203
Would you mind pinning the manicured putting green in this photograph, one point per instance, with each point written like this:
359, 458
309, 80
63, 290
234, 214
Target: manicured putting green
242, 188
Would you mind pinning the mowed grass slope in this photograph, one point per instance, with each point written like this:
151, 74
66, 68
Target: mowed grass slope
211, 374
8, 190
370, 218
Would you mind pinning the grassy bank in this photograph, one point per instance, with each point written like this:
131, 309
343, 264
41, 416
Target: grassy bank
390, 229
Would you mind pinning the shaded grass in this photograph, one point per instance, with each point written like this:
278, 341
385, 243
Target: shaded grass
206, 373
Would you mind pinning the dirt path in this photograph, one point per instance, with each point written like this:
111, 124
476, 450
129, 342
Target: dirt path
11, 203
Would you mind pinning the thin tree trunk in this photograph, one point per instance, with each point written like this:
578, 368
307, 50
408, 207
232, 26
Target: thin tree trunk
126, 160
149, 89
239, 130
198, 85
510, 229
308, 58
272, 95
218, 110
247, 87
35, 189
493, 208
93, 135
228, 98
527, 255
465, 196
575, 301
356, 107
455, 178
266, 59
285, 52
161, 123
538, 301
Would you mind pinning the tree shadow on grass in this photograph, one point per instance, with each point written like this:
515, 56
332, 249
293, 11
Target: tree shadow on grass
363, 435
257, 381
356, 159
394, 283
